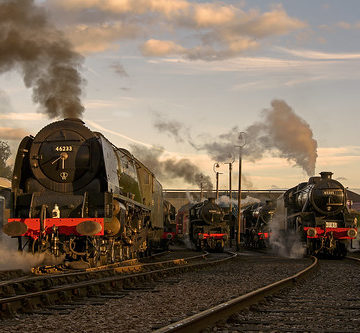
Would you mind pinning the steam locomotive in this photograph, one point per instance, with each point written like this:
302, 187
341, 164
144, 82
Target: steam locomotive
76, 194
256, 219
317, 210
203, 224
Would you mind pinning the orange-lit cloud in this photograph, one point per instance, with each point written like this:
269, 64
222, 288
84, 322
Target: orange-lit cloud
155, 47
8, 133
99, 37
217, 30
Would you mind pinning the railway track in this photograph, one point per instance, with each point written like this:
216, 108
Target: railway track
328, 301
29, 294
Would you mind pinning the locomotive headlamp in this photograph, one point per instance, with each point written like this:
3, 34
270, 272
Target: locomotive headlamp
311, 232
352, 233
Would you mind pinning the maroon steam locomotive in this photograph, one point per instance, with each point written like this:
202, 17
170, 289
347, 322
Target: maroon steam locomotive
75, 194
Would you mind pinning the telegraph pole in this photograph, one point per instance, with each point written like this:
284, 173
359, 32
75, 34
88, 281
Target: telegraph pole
230, 200
242, 138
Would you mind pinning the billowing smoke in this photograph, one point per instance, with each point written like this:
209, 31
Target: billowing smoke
281, 132
11, 258
224, 201
172, 128
169, 168
30, 44
285, 245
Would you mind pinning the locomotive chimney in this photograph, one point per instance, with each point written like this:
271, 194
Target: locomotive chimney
326, 175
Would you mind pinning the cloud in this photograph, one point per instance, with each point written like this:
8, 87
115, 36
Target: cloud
102, 129
209, 14
220, 30
243, 64
316, 55
99, 37
274, 22
119, 69
8, 133
22, 116
347, 25
155, 47
343, 25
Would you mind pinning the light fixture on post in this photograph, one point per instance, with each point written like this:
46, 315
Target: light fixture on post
217, 165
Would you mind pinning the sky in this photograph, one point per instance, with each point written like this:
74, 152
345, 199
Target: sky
187, 76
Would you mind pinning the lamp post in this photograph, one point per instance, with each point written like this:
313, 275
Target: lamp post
217, 165
230, 196
242, 138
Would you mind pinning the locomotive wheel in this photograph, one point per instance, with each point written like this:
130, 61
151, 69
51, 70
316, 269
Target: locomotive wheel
39, 246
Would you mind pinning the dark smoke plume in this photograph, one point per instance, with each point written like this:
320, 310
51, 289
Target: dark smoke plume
30, 44
171, 168
172, 128
281, 132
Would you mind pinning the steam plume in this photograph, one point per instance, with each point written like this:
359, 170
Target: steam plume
281, 132
173, 128
289, 246
29, 43
171, 168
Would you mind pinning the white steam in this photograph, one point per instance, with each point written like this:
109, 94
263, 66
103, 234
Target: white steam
285, 243
224, 201
11, 258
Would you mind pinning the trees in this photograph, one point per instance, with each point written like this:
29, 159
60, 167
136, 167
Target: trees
5, 170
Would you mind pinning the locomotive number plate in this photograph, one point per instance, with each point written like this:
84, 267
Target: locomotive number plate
331, 224
64, 148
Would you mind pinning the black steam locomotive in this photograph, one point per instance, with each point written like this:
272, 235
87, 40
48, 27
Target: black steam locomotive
317, 210
76, 194
204, 225
257, 219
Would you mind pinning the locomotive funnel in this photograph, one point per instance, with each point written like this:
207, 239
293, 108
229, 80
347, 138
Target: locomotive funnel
326, 175
15, 228
88, 228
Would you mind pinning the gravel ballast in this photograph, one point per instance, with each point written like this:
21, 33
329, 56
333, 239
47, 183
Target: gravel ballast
172, 299
326, 302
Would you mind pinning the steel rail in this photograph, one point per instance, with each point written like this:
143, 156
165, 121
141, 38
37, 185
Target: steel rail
206, 318
133, 265
353, 259
31, 300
